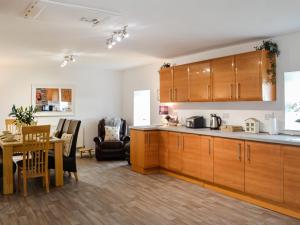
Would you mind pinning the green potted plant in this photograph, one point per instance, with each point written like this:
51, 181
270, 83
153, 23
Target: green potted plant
24, 116
273, 52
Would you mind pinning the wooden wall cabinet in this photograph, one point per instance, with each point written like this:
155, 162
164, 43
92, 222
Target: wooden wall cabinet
163, 149
144, 150
229, 163
180, 83
264, 170
174, 151
191, 155
200, 82
166, 84
207, 159
291, 170
223, 79
242, 77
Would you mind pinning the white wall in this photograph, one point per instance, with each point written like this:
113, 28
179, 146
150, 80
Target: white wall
97, 92
146, 77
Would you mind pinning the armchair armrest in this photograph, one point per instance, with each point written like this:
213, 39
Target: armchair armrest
125, 139
98, 140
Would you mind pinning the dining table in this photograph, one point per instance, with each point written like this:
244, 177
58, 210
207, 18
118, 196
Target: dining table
8, 150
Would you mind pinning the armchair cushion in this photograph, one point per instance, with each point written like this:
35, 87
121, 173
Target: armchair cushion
112, 133
67, 143
112, 144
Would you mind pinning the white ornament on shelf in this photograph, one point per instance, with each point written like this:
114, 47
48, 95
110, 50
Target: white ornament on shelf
252, 125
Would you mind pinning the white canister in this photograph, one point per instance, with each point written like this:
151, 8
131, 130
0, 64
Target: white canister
274, 126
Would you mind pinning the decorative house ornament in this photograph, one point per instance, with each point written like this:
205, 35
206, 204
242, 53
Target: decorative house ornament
252, 125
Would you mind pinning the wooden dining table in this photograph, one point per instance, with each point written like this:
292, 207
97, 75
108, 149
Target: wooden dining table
8, 148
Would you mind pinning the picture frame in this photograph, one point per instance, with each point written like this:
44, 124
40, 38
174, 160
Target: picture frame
53, 100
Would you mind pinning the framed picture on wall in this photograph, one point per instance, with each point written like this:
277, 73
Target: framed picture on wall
53, 100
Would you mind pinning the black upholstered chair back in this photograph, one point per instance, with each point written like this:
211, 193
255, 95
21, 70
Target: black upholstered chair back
66, 126
101, 128
60, 127
74, 129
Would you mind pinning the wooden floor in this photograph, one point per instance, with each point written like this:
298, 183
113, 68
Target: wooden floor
109, 193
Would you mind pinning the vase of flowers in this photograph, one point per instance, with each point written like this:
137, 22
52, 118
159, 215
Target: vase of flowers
24, 115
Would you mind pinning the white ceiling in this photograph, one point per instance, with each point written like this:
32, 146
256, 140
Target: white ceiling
158, 29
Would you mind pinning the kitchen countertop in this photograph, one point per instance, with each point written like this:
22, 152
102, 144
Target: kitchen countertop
261, 137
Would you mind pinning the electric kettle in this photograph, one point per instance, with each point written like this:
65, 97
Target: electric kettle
215, 122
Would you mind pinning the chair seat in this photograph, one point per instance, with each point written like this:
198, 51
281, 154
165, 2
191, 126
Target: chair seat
111, 145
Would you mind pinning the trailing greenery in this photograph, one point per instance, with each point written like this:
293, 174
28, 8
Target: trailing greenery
166, 65
273, 52
23, 115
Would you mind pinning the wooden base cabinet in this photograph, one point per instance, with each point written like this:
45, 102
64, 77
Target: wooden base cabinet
264, 171
144, 150
206, 159
191, 155
291, 170
174, 151
163, 149
229, 163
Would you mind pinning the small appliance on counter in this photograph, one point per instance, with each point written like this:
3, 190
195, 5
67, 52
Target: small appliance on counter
195, 122
215, 122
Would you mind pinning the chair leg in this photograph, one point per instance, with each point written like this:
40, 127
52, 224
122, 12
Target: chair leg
76, 176
24, 185
47, 181
19, 179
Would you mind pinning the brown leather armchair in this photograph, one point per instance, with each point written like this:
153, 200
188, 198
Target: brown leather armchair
110, 149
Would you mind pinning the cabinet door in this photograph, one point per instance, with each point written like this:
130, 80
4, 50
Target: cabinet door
207, 159
223, 79
151, 150
137, 148
229, 163
248, 76
264, 170
174, 151
200, 82
291, 170
166, 84
180, 82
163, 149
191, 147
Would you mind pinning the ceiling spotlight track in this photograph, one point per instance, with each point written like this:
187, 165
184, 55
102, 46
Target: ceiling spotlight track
117, 36
67, 59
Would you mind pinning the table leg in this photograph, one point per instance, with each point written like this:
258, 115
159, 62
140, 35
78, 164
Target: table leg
8, 182
58, 154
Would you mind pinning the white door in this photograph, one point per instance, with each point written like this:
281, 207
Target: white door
141, 108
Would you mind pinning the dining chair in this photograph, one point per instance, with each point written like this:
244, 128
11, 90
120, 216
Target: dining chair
35, 155
59, 128
10, 125
69, 162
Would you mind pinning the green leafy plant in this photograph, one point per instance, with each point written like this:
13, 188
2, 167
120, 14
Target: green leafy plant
23, 115
166, 65
273, 52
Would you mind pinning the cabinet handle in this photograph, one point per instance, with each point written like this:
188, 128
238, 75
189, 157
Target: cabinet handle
231, 95
175, 93
238, 90
182, 143
209, 150
170, 94
208, 91
248, 153
148, 138
239, 152
177, 142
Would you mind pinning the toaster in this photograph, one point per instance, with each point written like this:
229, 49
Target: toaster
195, 122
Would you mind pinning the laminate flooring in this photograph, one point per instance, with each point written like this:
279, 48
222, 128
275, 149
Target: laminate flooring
110, 193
